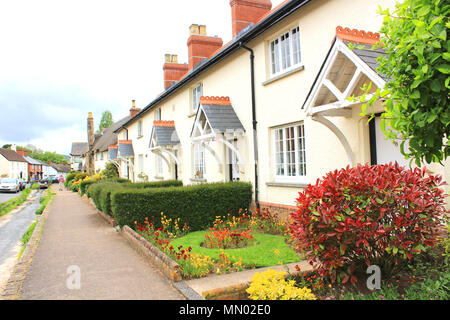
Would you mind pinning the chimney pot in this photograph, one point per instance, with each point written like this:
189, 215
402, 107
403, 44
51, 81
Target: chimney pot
202, 30
194, 29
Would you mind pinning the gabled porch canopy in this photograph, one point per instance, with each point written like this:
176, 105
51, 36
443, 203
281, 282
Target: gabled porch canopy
216, 120
164, 139
344, 72
342, 75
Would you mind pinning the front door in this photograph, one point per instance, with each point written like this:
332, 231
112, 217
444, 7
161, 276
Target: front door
382, 150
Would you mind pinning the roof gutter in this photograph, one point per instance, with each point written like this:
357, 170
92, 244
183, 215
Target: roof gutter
265, 24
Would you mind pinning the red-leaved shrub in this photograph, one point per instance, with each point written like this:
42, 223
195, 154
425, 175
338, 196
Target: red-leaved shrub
367, 215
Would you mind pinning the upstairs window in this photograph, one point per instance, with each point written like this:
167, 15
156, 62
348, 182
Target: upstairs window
158, 114
285, 51
197, 92
139, 128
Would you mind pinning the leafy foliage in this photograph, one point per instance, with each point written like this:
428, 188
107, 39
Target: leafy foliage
272, 285
196, 205
110, 171
416, 39
369, 215
106, 121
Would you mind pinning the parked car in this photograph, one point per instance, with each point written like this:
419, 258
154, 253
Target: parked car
9, 185
43, 184
22, 183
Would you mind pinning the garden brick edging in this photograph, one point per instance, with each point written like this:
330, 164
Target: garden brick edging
165, 264
14, 285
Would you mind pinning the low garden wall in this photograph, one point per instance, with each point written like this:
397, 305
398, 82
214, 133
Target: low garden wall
165, 264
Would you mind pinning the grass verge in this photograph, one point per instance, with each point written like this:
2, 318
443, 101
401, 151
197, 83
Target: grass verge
45, 199
270, 250
7, 206
26, 237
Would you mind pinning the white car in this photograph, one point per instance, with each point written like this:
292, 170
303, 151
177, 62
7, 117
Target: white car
9, 185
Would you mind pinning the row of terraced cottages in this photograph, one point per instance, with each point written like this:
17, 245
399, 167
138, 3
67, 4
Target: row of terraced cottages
269, 107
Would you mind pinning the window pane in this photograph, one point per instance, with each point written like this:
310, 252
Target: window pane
290, 151
302, 150
275, 51
295, 45
285, 51
279, 152
197, 92
199, 160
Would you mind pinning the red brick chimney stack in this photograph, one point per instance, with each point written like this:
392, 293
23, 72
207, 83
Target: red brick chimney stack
173, 71
22, 152
134, 111
201, 46
244, 12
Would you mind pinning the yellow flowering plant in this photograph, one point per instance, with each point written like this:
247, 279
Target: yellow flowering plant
272, 285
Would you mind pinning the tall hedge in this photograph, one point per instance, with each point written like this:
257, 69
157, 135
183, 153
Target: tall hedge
196, 205
154, 184
85, 184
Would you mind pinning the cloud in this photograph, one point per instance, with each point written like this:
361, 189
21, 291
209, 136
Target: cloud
62, 59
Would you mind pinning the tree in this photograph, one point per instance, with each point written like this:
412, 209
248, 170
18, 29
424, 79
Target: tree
416, 96
106, 121
110, 171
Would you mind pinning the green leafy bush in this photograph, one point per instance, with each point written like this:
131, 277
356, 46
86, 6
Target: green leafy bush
196, 205
70, 177
104, 196
85, 184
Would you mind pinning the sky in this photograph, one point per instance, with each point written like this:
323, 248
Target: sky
60, 59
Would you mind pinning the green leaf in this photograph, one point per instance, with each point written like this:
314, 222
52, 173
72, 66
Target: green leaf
415, 94
435, 85
444, 68
395, 250
423, 11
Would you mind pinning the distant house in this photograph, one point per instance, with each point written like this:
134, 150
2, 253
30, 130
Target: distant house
102, 142
47, 170
12, 164
61, 169
77, 155
34, 166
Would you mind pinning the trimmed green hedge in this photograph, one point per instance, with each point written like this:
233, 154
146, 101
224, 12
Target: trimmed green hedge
196, 205
85, 184
155, 184
100, 191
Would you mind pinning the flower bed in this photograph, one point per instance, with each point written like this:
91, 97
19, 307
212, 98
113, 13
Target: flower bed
231, 245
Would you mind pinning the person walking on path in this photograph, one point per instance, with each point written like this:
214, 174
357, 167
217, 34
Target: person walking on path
61, 181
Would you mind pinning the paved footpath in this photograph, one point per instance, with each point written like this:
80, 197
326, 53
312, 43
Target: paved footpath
75, 235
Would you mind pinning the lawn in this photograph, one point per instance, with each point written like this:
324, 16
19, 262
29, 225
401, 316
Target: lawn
262, 254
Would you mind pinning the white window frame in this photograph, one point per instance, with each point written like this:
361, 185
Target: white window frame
279, 54
299, 148
101, 155
158, 114
196, 92
159, 166
139, 128
199, 160
141, 163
